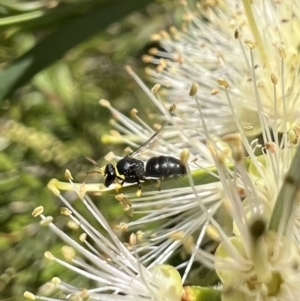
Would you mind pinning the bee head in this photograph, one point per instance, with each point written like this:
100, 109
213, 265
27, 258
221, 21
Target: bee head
110, 174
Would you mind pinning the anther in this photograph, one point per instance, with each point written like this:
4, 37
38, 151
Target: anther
83, 237
250, 44
172, 107
68, 253
194, 89
212, 233
155, 88
257, 228
49, 255
184, 156
65, 211
104, 103
133, 112
68, 175
52, 187
274, 79
122, 227
153, 51
46, 221
29, 295
223, 83
147, 58
132, 240
214, 91
281, 52
56, 280
37, 211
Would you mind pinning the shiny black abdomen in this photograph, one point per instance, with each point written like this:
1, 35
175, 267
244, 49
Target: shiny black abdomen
164, 167
131, 169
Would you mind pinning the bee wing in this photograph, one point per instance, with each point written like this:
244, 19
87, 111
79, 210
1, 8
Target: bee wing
147, 143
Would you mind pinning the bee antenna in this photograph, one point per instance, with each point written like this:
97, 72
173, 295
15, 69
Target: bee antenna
92, 161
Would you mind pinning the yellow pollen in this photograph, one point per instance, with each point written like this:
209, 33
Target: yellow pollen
159, 69
189, 244
274, 79
241, 191
237, 34
173, 29
153, 51
165, 34
49, 255
84, 294
122, 227
56, 280
271, 146
155, 88
179, 59
281, 52
45, 222
194, 89
83, 237
68, 175
118, 186
68, 253
219, 156
250, 44
212, 232
214, 91
29, 295
37, 211
139, 235
82, 191
227, 205
155, 37
65, 211
223, 83
178, 235
147, 58
157, 126
172, 107
72, 225
235, 143
104, 103
53, 188
139, 193
132, 240
184, 156
182, 2
133, 112
163, 63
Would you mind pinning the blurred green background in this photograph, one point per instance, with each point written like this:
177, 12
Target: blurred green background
58, 58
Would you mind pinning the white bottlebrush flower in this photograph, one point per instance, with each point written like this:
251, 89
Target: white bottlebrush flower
116, 273
251, 88
175, 212
260, 95
260, 260
214, 43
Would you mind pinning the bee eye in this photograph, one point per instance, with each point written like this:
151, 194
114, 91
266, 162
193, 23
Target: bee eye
110, 174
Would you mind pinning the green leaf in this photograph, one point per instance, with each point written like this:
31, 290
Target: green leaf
288, 197
198, 293
57, 44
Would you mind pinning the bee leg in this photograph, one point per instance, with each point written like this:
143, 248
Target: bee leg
158, 184
119, 185
139, 192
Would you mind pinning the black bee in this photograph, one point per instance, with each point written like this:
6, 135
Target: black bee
131, 170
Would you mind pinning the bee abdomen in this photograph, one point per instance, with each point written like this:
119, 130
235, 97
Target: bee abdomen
164, 166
